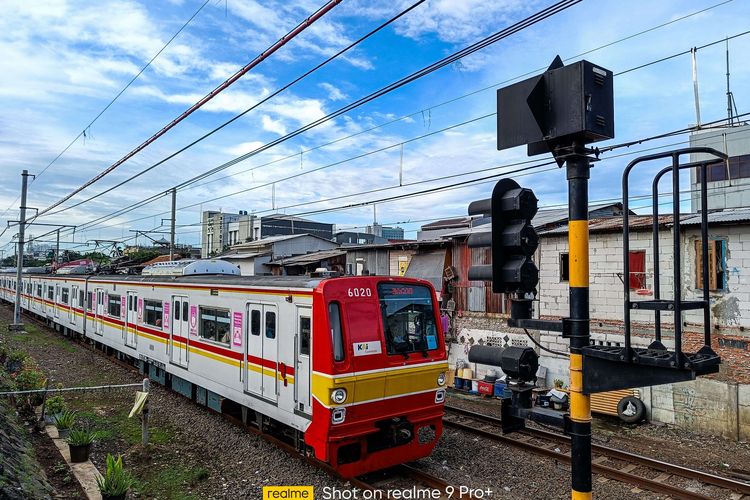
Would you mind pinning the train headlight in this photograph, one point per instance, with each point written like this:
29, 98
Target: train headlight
338, 396
441, 379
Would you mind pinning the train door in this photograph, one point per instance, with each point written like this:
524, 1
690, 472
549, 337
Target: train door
73, 303
302, 353
261, 350
24, 296
56, 307
179, 336
99, 309
131, 318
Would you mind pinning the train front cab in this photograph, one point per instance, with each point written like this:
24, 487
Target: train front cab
378, 376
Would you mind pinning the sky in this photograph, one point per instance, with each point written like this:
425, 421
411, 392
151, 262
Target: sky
64, 61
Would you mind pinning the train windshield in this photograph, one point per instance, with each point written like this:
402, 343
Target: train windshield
408, 318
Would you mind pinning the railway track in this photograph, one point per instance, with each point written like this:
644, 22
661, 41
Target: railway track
644, 472
401, 477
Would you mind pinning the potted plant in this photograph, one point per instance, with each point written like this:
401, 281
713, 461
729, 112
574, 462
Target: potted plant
79, 443
64, 422
115, 482
53, 407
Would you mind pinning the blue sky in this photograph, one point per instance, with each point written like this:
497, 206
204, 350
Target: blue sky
63, 61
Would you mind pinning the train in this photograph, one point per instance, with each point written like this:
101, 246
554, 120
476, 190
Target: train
352, 369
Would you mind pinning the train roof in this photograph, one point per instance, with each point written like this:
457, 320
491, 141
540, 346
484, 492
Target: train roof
204, 279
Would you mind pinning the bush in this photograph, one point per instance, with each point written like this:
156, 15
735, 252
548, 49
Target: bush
30, 379
54, 405
115, 481
15, 361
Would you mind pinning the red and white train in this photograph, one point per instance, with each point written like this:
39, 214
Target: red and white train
353, 367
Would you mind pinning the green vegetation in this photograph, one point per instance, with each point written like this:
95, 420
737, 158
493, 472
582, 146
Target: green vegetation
115, 481
171, 482
54, 405
65, 419
81, 437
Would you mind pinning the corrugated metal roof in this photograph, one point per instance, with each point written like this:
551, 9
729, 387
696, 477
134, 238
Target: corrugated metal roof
428, 266
243, 255
308, 258
604, 224
719, 217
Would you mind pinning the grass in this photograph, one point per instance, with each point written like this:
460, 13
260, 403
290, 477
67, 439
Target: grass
119, 426
171, 482
33, 336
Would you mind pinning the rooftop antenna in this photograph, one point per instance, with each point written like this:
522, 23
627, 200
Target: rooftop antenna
694, 52
730, 97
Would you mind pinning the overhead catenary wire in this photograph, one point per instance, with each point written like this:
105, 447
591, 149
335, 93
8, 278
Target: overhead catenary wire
688, 128
208, 97
609, 148
251, 108
403, 12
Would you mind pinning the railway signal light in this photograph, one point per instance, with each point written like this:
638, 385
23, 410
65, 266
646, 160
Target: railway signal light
512, 238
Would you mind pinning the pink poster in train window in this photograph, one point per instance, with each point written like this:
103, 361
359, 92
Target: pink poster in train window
140, 309
165, 316
237, 329
193, 320
122, 306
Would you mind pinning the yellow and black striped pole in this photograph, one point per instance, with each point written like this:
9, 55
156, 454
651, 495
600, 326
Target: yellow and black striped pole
578, 169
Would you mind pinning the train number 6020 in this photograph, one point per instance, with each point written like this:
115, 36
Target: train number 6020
360, 292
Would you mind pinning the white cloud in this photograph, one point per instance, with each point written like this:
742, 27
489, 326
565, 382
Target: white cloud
274, 126
334, 93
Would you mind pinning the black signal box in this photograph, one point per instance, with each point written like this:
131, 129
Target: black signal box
566, 104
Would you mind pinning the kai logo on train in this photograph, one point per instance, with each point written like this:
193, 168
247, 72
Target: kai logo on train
365, 348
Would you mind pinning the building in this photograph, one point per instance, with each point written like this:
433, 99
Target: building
253, 257
728, 183
437, 229
386, 232
333, 261
221, 230
280, 224
215, 232
355, 238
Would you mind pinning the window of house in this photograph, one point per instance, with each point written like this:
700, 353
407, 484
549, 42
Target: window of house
337, 332
113, 305
214, 324
65, 296
564, 267
717, 265
739, 168
304, 336
270, 325
255, 322
637, 260
152, 312
89, 301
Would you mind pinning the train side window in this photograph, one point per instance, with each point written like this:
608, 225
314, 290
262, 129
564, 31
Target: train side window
177, 310
65, 296
270, 325
184, 310
113, 305
89, 301
304, 336
337, 332
214, 324
153, 311
50, 293
39, 290
255, 322
80, 298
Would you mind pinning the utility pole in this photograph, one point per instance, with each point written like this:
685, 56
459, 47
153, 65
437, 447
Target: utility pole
174, 219
17, 325
57, 249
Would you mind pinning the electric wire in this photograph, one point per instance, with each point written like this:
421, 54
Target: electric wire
208, 97
654, 63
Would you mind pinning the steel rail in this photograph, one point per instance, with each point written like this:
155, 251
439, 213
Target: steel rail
285, 446
632, 458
